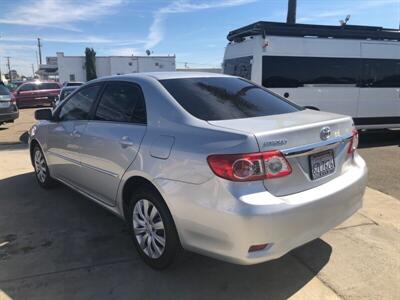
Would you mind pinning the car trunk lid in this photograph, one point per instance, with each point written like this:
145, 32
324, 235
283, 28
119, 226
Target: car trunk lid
299, 137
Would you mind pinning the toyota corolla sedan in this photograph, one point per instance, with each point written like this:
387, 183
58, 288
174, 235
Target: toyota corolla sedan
209, 163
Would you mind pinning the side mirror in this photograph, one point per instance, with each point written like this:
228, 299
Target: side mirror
43, 114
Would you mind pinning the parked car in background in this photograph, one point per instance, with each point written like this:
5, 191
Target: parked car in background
212, 163
8, 106
64, 92
37, 93
72, 83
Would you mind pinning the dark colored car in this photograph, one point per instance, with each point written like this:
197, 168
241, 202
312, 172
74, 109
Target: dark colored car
72, 83
37, 93
8, 106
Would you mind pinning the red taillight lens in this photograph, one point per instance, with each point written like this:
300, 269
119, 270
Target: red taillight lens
354, 142
13, 99
249, 167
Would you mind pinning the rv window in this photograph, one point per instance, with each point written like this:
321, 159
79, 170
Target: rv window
381, 73
240, 66
291, 71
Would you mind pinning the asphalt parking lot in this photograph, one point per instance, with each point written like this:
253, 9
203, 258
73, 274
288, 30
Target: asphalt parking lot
58, 245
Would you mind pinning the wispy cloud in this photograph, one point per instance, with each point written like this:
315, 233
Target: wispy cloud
76, 39
156, 31
124, 51
58, 13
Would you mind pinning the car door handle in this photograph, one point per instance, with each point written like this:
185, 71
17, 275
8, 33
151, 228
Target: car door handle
125, 141
75, 133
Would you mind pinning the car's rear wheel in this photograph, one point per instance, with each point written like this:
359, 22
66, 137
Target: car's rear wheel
41, 169
153, 229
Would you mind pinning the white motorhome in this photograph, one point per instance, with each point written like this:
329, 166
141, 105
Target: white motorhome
352, 70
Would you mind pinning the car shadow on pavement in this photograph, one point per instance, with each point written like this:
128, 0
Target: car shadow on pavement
57, 244
379, 138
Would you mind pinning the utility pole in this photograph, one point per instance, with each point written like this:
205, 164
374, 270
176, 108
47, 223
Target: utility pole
40, 50
291, 13
9, 67
33, 71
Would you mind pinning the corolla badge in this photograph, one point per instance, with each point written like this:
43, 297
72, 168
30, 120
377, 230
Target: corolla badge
275, 143
325, 133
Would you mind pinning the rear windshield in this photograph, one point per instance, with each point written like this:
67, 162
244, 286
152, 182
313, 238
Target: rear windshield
48, 86
3, 90
224, 98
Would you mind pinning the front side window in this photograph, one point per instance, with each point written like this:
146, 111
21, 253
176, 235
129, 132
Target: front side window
223, 98
27, 87
121, 102
79, 105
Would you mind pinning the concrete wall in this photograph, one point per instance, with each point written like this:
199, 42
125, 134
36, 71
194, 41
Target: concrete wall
112, 65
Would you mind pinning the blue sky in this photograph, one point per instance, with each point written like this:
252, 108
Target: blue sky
194, 30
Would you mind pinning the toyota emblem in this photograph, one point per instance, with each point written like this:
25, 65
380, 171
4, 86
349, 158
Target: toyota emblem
325, 133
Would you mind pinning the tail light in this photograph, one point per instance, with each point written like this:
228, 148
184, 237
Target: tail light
354, 142
250, 167
13, 99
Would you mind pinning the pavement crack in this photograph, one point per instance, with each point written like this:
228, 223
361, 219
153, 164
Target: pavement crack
369, 218
326, 283
69, 270
352, 226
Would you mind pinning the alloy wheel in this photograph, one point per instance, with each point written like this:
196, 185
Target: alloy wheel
149, 228
40, 166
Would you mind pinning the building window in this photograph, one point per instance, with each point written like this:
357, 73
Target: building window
71, 77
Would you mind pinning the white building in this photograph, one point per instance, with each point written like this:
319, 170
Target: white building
72, 68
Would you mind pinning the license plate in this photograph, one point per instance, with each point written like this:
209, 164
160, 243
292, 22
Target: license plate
4, 104
322, 164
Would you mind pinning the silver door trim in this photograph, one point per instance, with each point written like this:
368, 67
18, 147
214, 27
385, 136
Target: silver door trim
112, 174
77, 162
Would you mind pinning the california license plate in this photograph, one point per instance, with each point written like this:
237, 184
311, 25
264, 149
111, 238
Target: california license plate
322, 164
4, 104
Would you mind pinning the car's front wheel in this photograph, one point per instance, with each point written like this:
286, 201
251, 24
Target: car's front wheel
153, 229
41, 169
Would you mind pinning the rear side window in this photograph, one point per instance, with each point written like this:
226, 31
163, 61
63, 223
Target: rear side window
78, 106
4, 91
381, 73
291, 71
223, 98
121, 102
48, 86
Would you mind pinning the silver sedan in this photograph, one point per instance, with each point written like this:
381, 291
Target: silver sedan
205, 162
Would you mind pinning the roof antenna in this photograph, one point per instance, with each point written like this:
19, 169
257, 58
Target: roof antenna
344, 23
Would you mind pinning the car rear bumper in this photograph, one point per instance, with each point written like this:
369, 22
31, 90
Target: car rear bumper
8, 117
224, 223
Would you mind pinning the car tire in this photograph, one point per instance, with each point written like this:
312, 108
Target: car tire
153, 229
42, 173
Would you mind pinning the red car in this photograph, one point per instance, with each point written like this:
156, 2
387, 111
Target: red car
37, 93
